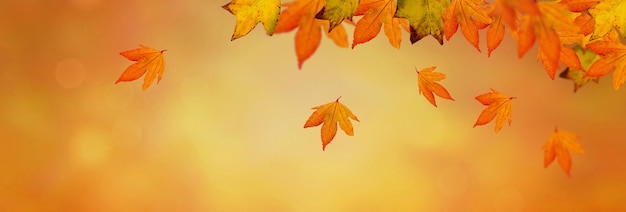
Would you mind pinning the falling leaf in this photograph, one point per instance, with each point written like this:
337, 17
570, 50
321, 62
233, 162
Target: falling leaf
335, 11
424, 17
613, 53
469, 14
608, 14
331, 114
148, 60
427, 83
499, 104
576, 75
250, 12
377, 12
302, 13
559, 145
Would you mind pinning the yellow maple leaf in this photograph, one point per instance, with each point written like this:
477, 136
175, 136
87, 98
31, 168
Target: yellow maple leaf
608, 14
250, 12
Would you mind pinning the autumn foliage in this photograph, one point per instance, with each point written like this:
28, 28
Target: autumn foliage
427, 82
583, 38
558, 146
557, 26
330, 114
499, 105
147, 60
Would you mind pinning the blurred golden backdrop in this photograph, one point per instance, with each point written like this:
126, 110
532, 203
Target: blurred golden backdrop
223, 129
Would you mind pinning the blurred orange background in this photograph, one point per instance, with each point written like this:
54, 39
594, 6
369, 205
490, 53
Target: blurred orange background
223, 129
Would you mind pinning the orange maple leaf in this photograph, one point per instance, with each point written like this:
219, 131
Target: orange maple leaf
499, 104
148, 60
613, 53
331, 114
553, 27
468, 14
426, 81
302, 13
377, 12
559, 145
503, 14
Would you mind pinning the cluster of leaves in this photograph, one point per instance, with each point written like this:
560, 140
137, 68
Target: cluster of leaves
583, 35
564, 29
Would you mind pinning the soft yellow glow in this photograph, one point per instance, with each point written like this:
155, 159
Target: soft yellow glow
223, 130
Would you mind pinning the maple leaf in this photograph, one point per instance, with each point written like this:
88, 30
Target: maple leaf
302, 13
148, 60
331, 114
499, 104
470, 15
559, 145
608, 14
377, 12
553, 26
503, 14
613, 53
335, 11
424, 17
426, 81
250, 12
576, 75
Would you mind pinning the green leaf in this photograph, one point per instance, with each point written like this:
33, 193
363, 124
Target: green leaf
425, 17
336, 11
